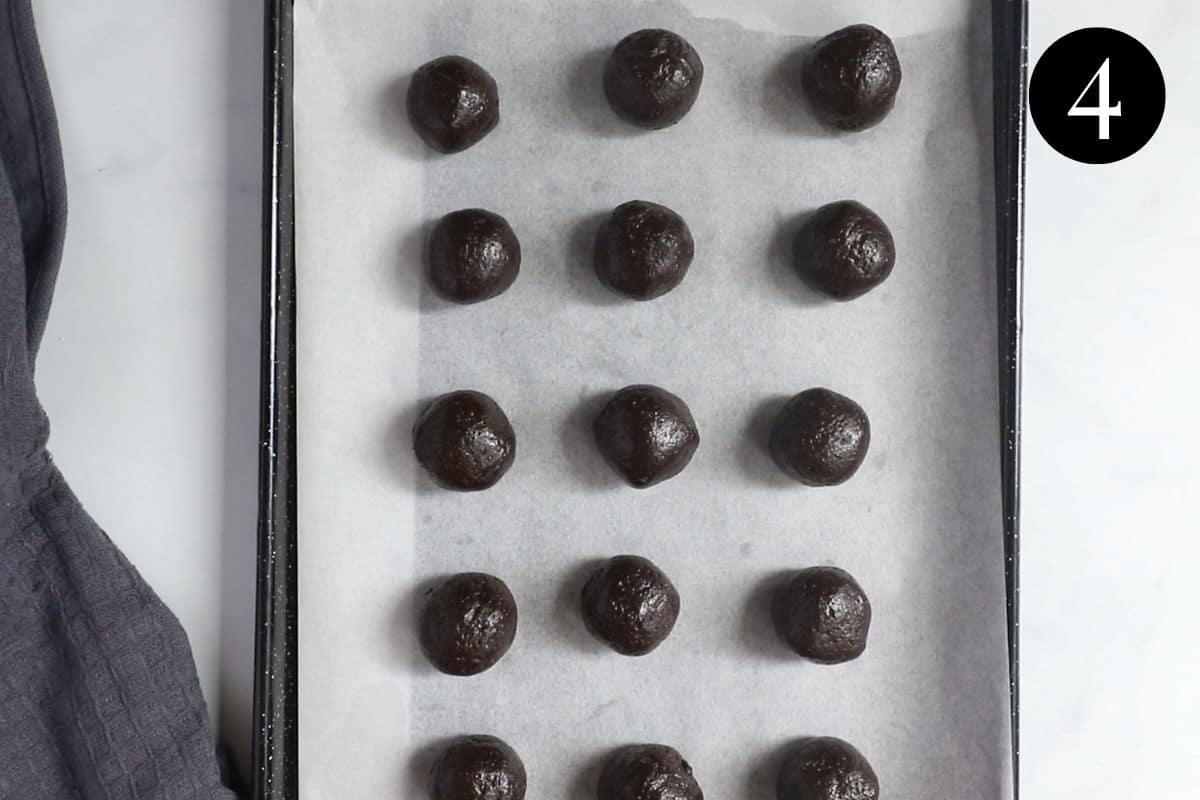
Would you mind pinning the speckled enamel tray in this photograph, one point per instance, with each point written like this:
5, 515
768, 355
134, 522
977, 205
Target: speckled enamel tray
275, 742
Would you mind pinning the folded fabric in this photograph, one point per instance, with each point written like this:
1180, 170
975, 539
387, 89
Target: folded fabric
98, 692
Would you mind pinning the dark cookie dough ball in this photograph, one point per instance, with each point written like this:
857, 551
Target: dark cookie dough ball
465, 442
653, 78
646, 434
820, 438
478, 768
468, 624
473, 255
845, 250
851, 77
648, 772
826, 769
643, 250
630, 604
453, 103
823, 615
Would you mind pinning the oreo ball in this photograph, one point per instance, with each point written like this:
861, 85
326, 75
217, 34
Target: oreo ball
643, 250
464, 440
630, 605
820, 438
652, 78
648, 772
473, 256
823, 615
468, 623
646, 434
478, 768
851, 77
826, 768
845, 250
453, 103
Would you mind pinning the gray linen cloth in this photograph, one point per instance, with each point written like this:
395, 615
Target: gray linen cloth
98, 692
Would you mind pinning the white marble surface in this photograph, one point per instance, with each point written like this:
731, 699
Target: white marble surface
149, 372
1112, 449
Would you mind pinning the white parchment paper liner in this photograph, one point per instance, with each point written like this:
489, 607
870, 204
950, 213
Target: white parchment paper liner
919, 526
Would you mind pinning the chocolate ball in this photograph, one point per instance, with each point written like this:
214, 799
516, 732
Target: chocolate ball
826, 769
653, 78
478, 768
646, 434
468, 624
820, 438
851, 77
473, 255
630, 604
643, 250
823, 615
464, 441
648, 772
453, 103
845, 250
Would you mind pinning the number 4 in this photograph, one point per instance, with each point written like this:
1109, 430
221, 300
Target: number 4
1102, 110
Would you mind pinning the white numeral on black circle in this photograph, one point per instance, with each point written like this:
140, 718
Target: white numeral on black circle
1102, 111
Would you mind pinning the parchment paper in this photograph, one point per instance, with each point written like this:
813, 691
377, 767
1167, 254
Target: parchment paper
919, 526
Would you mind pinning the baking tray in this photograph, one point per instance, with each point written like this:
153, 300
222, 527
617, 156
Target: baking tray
276, 695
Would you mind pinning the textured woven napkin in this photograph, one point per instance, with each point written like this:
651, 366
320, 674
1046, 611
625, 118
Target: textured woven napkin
98, 691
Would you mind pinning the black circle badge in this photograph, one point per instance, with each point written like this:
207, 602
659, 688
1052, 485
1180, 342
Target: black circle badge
1097, 95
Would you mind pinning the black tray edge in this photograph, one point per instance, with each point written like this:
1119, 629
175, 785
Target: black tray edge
1010, 56
276, 697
